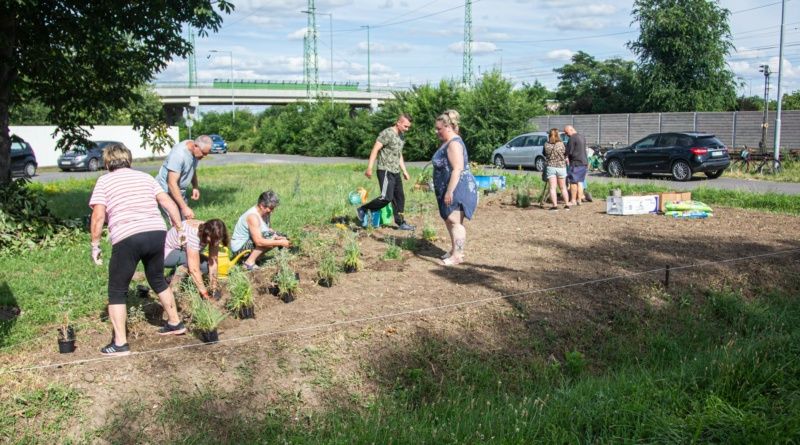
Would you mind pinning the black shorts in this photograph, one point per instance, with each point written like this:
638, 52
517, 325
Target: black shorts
147, 247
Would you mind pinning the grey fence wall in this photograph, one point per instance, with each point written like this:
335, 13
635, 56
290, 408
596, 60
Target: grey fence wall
735, 129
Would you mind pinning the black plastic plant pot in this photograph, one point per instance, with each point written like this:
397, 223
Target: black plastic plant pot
273, 290
247, 312
325, 282
66, 340
288, 297
143, 291
350, 269
210, 336
66, 346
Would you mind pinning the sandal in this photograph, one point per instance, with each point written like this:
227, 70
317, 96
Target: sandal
451, 262
445, 256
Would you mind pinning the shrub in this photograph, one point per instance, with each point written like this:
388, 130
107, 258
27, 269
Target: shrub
429, 233
286, 279
25, 220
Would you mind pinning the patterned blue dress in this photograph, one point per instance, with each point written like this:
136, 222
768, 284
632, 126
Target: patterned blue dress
465, 196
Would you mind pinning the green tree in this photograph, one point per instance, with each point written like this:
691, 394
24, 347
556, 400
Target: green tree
590, 86
32, 112
83, 60
491, 113
791, 101
681, 53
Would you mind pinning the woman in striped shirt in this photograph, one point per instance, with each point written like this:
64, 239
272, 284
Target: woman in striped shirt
129, 200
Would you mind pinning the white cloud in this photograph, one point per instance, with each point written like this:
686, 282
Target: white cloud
260, 20
477, 47
745, 53
379, 48
788, 69
578, 23
297, 34
598, 9
560, 54
496, 36
740, 67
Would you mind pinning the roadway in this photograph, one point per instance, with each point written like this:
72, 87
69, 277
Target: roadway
698, 180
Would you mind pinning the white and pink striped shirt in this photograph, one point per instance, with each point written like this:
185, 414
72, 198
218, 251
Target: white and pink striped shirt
130, 200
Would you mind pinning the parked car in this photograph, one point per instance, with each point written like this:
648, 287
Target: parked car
85, 158
526, 150
680, 154
23, 160
219, 145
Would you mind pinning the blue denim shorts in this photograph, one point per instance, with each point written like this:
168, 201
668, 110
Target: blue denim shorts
559, 172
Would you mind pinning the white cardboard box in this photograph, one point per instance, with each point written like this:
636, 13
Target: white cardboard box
632, 205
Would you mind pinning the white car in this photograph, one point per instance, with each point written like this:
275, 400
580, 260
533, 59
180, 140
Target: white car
526, 150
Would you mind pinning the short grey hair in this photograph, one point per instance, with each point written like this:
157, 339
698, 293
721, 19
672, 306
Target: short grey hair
204, 142
269, 199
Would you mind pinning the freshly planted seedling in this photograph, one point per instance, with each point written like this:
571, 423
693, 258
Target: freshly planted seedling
352, 254
523, 198
66, 332
286, 279
409, 243
241, 301
393, 251
429, 233
328, 271
206, 318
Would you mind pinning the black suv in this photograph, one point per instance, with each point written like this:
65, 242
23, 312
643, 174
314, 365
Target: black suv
680, 154
23, 160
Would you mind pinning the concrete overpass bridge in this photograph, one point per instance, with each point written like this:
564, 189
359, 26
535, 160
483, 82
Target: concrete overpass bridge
177, 96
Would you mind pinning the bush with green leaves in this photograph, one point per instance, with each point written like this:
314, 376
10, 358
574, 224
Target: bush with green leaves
429, 233
205, 316
25, 220
240, 290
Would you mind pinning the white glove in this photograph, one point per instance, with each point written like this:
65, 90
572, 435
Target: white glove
96, 253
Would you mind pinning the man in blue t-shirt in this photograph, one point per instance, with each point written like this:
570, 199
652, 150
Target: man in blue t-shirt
179, 171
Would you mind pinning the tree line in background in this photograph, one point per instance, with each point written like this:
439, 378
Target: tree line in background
492, 111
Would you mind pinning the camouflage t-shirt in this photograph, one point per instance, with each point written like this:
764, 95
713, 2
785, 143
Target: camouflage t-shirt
389, 155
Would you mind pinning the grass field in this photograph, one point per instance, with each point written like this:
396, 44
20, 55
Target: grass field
721, 367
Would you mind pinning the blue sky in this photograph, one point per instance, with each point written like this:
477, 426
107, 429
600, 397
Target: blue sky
420, 41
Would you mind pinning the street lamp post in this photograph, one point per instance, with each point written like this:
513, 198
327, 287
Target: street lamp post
369, 74
765, 122
777, 153
233, 100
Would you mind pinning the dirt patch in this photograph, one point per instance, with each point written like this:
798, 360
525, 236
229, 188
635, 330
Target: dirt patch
528, 273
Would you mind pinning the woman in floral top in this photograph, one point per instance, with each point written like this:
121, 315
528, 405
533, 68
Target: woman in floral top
555, 155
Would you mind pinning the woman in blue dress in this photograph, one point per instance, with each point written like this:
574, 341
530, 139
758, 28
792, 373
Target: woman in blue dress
454, 185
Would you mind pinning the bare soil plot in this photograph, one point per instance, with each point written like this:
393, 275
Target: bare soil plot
533, 282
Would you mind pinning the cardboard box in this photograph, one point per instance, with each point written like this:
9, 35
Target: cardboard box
665, 197
631, 205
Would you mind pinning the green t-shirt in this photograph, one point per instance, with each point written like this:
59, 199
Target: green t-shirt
389, 155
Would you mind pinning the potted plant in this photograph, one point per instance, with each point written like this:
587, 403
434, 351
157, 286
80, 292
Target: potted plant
287, 280
328, 272
66, 334
206, 319
352, 255
241, 302
425, 180
143, 291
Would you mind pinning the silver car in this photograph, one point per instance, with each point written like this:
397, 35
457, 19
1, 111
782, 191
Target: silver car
526, 150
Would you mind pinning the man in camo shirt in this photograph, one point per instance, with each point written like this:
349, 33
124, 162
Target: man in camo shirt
388, 150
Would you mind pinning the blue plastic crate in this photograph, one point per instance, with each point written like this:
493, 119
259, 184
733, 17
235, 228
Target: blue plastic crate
485, 182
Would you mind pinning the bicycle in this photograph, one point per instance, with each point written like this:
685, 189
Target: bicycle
769, 165
742, 165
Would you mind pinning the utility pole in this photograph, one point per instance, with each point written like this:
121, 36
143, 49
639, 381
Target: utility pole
369, 68
467, 61
330, 26
780, 71
192, 61
310, 55
765, 121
